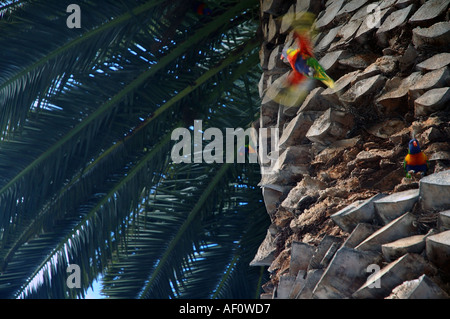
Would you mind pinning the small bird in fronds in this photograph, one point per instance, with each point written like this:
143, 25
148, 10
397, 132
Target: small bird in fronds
201, 8
415, 161
292, 90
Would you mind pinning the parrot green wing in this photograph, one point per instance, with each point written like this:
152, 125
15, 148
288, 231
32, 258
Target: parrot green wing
319, 72
404, 167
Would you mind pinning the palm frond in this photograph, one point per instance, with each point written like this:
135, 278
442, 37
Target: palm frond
85, 132
58, 51
174, 253
176, 248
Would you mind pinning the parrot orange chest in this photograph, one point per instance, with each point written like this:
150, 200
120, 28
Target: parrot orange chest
416, 159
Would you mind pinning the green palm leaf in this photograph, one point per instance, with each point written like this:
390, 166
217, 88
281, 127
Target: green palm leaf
86, 132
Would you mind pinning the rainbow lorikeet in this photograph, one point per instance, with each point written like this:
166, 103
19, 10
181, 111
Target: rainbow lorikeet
416, 160
201, 8
292, 88
246, 149
303, 63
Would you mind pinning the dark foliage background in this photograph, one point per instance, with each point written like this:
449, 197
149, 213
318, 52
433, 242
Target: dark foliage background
86, 177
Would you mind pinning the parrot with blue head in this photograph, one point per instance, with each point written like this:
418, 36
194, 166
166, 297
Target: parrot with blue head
415, 161
305, 68
303, 62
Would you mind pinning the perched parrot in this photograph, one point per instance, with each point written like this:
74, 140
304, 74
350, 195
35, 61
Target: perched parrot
247, 149
303, 62
416, 160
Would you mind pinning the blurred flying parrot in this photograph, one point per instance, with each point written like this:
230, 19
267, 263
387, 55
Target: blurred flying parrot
416, 160
305, 66
303, 62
